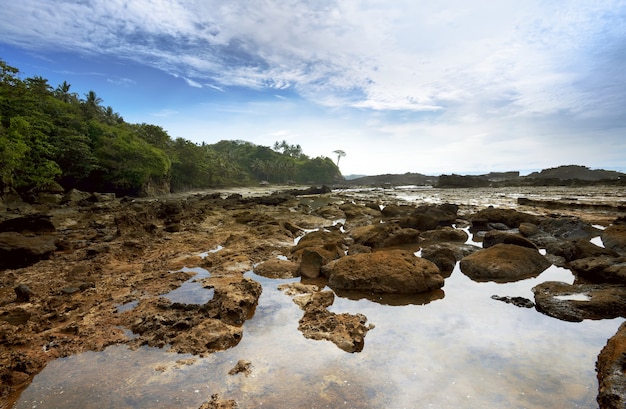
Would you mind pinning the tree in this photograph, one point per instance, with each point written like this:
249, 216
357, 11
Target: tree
92, 104
340, 154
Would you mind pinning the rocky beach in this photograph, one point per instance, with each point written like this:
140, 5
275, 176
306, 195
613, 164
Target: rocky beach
87, 273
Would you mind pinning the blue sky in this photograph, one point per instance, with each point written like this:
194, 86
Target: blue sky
401, 86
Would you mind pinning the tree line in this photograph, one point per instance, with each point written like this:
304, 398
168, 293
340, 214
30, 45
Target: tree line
52, 136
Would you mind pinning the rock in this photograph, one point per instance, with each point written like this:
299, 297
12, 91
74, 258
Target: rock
217, 403
332, 241
75, 196
347, 331
18, 250
242, 366
445, 234
23, 293
516, 301
494, 237
509, 217
277, 269
610, 368
353, 211
614, 238
568, 228
577, 302
312, 260
384, 235
601, 269
444, 214
504, 263
35, 223
443, 257
421, 222
393, 210
388, 271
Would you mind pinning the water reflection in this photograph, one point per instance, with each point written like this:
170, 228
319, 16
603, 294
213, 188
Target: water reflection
465, 350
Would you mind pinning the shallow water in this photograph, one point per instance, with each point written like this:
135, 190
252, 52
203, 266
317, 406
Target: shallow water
457, 349
465, 350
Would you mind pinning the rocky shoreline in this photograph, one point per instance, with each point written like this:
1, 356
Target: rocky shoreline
68, 266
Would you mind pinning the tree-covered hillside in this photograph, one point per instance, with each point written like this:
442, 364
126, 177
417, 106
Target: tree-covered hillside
51, 136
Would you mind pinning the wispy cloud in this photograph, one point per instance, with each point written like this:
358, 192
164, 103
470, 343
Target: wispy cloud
498, 69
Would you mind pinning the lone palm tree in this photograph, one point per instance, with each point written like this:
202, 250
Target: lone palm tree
340, 154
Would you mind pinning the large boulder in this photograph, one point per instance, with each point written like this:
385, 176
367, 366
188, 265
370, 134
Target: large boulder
504, 263
610, 369
614, 238
389, 271
577, 302
18, 250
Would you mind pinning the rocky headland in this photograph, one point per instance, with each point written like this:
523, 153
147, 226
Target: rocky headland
70, 265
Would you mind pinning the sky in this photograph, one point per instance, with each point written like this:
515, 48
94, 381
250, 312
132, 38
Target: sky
432, 87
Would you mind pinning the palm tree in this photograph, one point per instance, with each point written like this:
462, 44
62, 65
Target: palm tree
63, 92
92, 103
340, 154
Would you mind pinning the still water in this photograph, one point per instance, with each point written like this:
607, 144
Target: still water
465, 350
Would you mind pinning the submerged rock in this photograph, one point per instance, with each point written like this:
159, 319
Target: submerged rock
387, 271
610, 369
577, 302
504, 263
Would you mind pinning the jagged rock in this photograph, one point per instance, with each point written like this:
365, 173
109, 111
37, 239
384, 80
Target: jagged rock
312, 259
577, 302
516, 301
18, 250
504, 263
610, 368
614, 238
387, 271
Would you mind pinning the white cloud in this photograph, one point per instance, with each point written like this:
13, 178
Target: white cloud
453, 76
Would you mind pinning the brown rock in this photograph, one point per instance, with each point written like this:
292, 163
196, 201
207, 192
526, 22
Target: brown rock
390, 271
494, 237
578, 302
277, 269
610, 369
445, 234
511, 218
504, 263
601, 269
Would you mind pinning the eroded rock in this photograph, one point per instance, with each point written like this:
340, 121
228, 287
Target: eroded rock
577, 302
611, 368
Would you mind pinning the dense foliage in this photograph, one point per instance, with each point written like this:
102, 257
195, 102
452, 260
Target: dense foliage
50, 136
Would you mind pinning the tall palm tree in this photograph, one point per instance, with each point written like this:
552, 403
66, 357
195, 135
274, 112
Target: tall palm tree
340, 154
